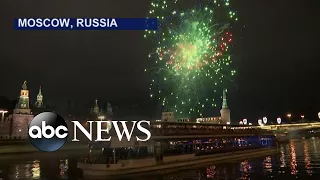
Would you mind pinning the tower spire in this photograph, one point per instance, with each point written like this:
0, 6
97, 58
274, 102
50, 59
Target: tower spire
96, 106
225, 112
39, 102
40, 92
96, 109
24, 85
224, 102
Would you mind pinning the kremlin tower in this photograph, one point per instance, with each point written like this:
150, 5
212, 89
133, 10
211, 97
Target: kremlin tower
104, 113
22, 106
95, 111
225, 111
39, 102
22, 114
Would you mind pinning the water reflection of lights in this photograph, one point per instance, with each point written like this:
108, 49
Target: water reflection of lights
63, 168
282, 157
211, 172
314, 143
30, 170
293, 164
307, 158
245, 166
267, 164
36, 169
23, 171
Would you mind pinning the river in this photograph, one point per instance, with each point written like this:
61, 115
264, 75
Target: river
298, 159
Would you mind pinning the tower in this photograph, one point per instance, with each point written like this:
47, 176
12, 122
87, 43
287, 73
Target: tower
22, 115
96, 107
95, 111
22, 106
225, 112
39, 102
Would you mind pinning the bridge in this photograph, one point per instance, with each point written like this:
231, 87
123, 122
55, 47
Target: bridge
292, 127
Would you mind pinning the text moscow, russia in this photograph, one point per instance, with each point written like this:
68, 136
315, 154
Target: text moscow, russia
67, 23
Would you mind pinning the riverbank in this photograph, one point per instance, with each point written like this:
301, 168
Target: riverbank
101, 170
26, 147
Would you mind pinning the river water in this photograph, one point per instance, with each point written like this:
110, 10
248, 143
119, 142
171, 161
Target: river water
298, 159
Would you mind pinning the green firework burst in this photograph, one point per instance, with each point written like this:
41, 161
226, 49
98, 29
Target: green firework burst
191, 59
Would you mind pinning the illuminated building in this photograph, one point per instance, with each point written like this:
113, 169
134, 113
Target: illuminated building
22, 115
95, 110
225, 111
213, 120
22, 107
39, 102
168, 116
184, 120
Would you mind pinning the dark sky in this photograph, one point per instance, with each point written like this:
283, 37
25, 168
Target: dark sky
276, 56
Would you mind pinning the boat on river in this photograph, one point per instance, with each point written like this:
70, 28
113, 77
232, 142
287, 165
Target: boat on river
174, 145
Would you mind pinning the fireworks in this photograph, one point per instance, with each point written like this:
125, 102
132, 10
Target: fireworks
191, 59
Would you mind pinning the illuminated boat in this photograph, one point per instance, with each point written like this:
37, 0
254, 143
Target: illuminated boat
174, 145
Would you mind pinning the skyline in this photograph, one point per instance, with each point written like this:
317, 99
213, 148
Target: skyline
276, 58
124, 113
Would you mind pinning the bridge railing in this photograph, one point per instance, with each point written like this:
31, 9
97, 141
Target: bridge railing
176, 129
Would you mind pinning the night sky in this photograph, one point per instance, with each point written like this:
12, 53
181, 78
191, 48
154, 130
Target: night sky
276, 57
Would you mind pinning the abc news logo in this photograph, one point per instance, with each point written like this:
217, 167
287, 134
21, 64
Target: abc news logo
48, 131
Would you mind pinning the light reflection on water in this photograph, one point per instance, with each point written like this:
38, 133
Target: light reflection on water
293, 163
34, 170
296, 159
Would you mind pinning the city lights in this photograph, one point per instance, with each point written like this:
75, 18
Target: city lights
101, 118
265, 120
279, 120
245, 121
2, 116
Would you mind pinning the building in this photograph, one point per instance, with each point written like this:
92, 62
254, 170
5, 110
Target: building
212, 120
17, 123
23, 105
95, 111
104, 113
225, 111
167, 116
184, 120
39, 103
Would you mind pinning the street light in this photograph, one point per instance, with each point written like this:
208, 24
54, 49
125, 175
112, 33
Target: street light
3, 112
279, 120
260, 122
265, 120
302, 116
241, 123
245, 121
319, 115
